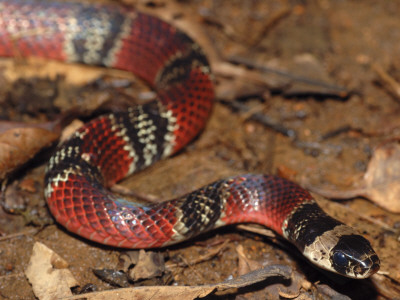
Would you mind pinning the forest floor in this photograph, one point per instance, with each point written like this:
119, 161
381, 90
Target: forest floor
305, 89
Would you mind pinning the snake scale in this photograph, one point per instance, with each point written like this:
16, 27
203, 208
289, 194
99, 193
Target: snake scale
112, 146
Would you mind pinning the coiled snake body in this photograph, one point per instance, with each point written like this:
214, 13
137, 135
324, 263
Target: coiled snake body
113, 146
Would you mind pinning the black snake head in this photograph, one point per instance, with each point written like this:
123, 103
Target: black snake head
343, 251
354, 257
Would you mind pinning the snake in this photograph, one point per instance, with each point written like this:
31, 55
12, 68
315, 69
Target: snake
112, 146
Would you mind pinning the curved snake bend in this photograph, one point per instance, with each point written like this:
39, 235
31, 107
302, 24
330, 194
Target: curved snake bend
113, 146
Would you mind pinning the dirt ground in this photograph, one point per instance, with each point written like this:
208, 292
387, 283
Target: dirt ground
329, 71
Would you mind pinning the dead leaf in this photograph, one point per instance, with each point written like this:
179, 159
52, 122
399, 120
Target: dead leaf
148, 264
127, 259
381, 182
246, 264
135, 266
18, 145
7, 125
387, 288
14, 199
382, 179
48, 274
310, 77
187, 292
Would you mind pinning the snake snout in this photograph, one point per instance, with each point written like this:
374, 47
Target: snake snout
369, 266
368, 263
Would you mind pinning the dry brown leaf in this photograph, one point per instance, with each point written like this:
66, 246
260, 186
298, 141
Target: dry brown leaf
246, 264
48, 274
7, 125
382, 179
387, 288
381, 182
310, 77
150, 264
187, 292
18, 145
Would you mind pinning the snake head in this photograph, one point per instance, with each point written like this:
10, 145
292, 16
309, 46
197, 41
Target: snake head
343, 251
354, 257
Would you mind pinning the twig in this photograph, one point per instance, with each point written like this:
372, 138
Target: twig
262, 118
336, 132
388, 80
3, 188
17, 234
341, 91
271, 22
21, 274
259, 230
257, 109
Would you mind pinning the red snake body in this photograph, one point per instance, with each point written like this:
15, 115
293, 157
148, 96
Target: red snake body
113, 146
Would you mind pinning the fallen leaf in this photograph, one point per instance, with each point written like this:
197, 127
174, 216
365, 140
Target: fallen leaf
386, 288
19, 145
310, 77
382, 179
187, 292
148, 264
127, 259
48, 274
381, 182
245, 264
7, 125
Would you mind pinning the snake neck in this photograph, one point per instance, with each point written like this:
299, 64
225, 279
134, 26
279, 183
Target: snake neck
328, 243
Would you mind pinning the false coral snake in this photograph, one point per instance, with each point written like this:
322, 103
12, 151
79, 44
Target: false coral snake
113, 146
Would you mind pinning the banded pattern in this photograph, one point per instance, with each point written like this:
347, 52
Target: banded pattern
113, 146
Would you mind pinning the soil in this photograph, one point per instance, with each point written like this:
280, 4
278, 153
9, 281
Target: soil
336, 134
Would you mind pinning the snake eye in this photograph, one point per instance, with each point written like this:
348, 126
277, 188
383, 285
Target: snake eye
340, 259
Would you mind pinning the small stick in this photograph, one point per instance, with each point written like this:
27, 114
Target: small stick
270, 23
388, 80
17, 234
261, 118
341, 91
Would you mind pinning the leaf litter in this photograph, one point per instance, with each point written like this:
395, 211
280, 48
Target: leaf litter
48, 274
380, 183
314, 165
19, 145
